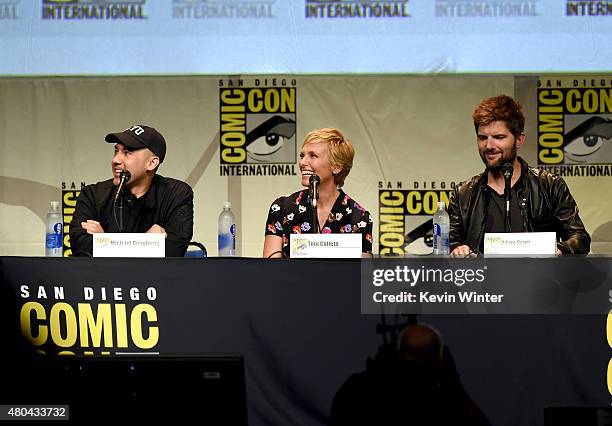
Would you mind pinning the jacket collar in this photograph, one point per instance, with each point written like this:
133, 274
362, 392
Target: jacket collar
484, 176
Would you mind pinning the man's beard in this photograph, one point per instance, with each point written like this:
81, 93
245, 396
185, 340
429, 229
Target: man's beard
496, 166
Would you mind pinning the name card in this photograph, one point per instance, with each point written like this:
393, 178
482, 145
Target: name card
325, 245
129, 245
520, 243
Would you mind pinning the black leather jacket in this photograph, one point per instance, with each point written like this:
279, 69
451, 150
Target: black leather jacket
546, 205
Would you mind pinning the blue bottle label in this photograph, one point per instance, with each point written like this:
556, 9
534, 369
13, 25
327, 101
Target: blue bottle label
54, 241
224, 241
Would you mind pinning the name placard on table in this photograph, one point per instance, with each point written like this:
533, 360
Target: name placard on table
520, 243
129, 245
325, 245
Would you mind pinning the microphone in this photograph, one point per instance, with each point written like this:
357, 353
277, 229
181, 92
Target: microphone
507, 170
314, 197
314, 189
124, 178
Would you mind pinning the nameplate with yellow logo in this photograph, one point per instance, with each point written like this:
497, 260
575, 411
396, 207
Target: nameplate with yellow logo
129, 245
325, 245
520, 243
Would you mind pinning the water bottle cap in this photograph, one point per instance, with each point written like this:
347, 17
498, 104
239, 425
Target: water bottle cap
227, 205
441, 205
55, 206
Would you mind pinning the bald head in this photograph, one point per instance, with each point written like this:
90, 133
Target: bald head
420, 344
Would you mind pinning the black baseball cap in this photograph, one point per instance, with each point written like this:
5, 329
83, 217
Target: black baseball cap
138, 137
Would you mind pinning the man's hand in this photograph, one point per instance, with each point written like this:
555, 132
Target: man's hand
156, 229
462, 251
92, 227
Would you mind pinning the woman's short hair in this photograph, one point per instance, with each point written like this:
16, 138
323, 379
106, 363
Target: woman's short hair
341, 150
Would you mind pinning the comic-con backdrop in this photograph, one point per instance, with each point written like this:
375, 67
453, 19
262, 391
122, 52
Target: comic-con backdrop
238, 139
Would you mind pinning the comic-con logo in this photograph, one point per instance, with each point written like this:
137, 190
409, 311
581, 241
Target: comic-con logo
93, 9
70, 193
486, 8
405, 222
357, 9
257, 127
575, 126
220, 9
588, 8
9, 9
298, 246
89, 320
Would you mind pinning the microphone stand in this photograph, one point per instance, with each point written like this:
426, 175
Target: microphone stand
118, 202
507, 212
119, 207
314, 198
507, 171
315, 216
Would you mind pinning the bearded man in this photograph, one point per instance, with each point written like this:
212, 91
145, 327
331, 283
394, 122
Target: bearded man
539, 201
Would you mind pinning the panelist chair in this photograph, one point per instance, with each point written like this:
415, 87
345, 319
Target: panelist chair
196, 250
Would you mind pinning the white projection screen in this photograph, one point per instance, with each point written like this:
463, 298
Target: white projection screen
170, 37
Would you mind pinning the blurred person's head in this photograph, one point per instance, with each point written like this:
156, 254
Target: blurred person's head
421, 346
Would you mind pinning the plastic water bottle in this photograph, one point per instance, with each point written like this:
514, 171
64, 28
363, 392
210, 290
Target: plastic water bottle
227, 231
53, 240
441, 223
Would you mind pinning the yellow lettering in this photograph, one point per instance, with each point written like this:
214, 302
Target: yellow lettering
392, 198
551, 156
232, 123
121, 326
391, 239
88, 324
233, 155
232, 96
137, 329
550, 97
551, 140
391, 251
55, 325
255, 103
42, 332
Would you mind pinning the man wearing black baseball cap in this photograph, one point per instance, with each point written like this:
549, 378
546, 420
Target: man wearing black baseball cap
152, 203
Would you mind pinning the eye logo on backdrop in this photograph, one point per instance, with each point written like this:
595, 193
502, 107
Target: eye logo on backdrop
575, 126
357, 9
93, 9
9, 10
257, 122
486, 8
405, 216
205, 9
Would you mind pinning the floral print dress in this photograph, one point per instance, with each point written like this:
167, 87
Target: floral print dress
292, 214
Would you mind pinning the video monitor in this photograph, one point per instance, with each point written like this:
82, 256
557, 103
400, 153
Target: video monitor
208, 389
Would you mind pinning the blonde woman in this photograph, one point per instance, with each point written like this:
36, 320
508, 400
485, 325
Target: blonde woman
327, 154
